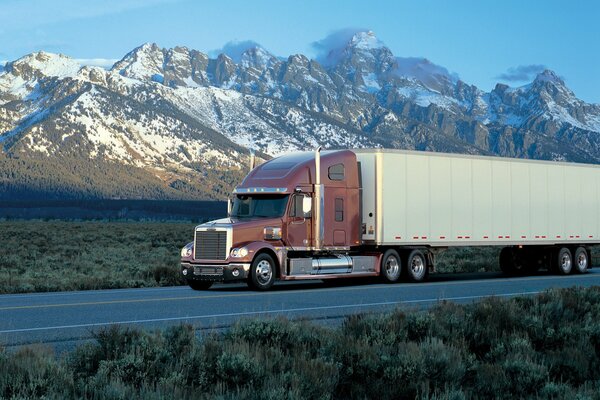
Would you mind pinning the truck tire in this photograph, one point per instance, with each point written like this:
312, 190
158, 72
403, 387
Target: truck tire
199, 285
391, 266
562, 263
581, 260
416, 266
262, 272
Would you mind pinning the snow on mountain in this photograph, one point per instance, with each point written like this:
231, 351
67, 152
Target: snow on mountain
258, 58
424, 96
44, 64
144, 62
366, 41
546, 98
19, 78
183, 117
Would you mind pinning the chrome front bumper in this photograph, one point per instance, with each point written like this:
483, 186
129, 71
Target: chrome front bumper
215, 272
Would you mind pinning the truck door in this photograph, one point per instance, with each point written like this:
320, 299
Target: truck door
336, 217
299, 226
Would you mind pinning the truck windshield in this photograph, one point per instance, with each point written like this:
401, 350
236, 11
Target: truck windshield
259, 206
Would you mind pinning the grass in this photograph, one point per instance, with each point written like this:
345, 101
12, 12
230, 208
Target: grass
468, 259
542, 347
50, 256
38, 256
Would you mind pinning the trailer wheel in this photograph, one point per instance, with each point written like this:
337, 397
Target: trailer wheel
391, 266
562, 262
262, 272
581, 260
416, 266
199, 285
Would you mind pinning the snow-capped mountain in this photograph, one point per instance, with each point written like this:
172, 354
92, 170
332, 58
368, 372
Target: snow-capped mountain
176, 123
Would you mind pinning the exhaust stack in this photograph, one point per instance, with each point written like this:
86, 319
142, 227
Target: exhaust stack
319, 203
252, 160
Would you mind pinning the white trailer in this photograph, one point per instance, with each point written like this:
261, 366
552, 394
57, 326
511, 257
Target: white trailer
364, 213
543, 212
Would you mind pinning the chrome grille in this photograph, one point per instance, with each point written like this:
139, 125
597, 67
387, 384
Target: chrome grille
210, 245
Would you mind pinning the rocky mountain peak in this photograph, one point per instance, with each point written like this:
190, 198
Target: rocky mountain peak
549, 76
365, 40
258, 58
550, 87
43, 64
363, 60
360, 48
143, 62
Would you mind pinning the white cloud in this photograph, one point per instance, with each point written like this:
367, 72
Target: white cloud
235, 49
328, 50
97, 62
422, 69
522, 73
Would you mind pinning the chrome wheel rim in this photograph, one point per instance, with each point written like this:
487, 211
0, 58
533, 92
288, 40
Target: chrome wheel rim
392, 267
565, 262
582, 261
417, 266
264, 272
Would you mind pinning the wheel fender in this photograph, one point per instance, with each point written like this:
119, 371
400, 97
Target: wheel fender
256, 248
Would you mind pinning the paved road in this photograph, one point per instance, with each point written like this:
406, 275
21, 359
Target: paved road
65, 318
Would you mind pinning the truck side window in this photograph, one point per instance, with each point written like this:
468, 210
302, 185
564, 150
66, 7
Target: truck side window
336, 172
339, 209
296, 208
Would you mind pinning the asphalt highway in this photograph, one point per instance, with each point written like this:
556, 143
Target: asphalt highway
63, 319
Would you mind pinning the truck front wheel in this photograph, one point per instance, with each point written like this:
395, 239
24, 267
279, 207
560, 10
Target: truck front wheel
416, 266
262, 272
391, 267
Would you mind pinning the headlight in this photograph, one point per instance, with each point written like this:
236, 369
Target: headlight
239, 253
187, 250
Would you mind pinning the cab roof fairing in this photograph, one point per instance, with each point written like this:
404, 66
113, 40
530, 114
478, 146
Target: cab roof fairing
290, 171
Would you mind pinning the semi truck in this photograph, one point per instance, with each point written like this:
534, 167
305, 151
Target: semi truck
387, 213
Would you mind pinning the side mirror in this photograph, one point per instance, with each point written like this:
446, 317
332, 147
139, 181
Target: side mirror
229, 206
306, 206
301, 206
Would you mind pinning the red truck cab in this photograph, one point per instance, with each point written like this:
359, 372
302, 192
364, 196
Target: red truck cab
285, 223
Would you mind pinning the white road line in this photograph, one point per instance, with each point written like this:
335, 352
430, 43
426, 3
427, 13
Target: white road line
88, 292
265, 312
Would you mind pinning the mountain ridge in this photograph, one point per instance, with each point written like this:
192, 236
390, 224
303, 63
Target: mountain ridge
187, 120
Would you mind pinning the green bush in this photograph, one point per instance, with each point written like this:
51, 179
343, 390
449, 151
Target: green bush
38, 256
542, 347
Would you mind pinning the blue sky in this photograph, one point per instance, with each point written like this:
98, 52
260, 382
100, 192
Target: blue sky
484, 42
